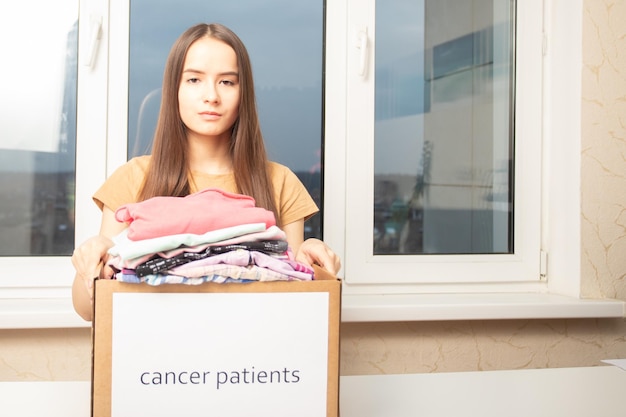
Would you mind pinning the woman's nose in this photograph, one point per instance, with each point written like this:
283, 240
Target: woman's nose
211, 95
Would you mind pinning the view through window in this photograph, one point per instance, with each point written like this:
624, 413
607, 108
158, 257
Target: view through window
285, 43
444, 127
38, 125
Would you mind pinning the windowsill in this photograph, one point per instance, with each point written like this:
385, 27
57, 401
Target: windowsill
36, 313
492, 306
39, 313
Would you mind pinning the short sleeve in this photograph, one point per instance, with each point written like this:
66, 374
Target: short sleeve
292, 198
122, 187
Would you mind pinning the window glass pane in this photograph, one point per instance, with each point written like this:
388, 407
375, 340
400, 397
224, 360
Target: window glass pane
284, 40
443, 127
38, 125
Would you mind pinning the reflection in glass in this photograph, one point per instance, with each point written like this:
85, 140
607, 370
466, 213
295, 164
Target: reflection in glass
284, 40
443, 127
38, 146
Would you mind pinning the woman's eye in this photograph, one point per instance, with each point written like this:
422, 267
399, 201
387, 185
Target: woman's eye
193, 80
228, 82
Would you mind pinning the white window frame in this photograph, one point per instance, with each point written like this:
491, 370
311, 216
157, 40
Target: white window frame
555, 81
36, 291
362, 267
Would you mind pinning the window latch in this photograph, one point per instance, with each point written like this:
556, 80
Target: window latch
362, 44
95, 23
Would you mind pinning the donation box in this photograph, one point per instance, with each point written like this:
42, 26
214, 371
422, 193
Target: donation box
232, 349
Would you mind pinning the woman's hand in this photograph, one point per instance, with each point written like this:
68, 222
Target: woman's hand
89, 260
314, 251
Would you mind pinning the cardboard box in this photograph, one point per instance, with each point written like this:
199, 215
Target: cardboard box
233, 349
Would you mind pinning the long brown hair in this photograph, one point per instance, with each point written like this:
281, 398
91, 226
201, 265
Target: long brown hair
168, 172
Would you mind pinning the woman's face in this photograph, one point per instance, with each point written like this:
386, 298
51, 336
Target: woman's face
208, 94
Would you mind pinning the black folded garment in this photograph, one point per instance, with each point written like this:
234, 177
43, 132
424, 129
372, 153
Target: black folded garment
160, 264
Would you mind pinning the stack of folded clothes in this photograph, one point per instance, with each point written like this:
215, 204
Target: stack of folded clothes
208, 236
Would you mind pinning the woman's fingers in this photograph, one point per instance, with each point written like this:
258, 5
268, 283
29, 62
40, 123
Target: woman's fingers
314, 251
89, 260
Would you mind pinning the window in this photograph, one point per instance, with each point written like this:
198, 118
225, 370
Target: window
38, 147
287, 69
498, 254
350, 89
443, 127
441, 168
39, 132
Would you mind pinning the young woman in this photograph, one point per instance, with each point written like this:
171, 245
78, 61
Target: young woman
207, 136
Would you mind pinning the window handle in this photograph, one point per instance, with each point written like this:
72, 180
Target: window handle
362, 44
95, 23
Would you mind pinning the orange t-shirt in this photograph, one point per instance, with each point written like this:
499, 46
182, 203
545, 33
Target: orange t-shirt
292, 198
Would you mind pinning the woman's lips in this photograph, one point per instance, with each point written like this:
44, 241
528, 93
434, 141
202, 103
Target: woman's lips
210, 115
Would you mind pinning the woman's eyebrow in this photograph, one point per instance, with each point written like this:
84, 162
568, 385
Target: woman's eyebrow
234, 73
195, 71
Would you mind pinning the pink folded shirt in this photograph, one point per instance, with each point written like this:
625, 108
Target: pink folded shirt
198, 213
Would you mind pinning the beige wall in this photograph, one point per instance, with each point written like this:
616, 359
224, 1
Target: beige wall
387, 348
